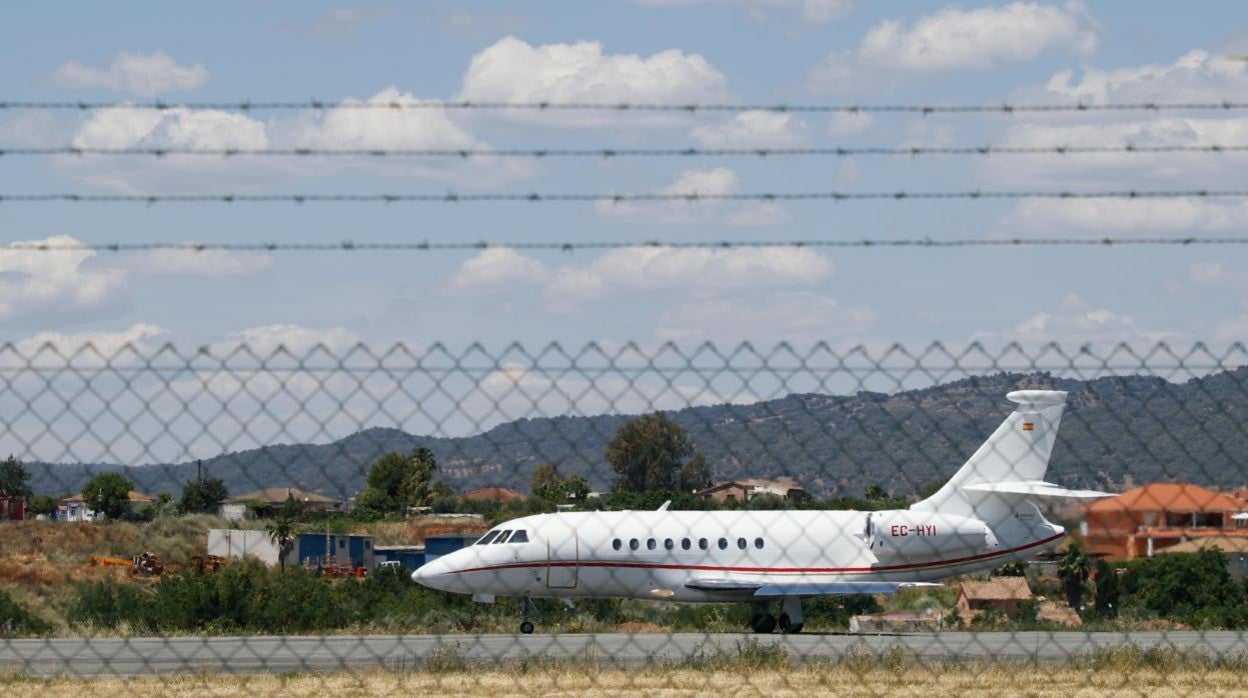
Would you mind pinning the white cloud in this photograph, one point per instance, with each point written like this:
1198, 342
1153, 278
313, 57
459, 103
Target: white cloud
512, 70
718, 181
201, 128
188, 262
753, 129
134, 73
336, 128
801, 316
55, 285
844, 124
954, 39
495, 268
697, 269
1075, 323
106, 344
1196, 76
267, 339
1216, 275
1123, 216
1096, 168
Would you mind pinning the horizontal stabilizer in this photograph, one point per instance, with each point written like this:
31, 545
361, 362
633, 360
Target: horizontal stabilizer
777, 589
1035, 488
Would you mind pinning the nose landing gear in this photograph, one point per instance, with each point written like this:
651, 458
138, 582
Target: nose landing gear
526, 626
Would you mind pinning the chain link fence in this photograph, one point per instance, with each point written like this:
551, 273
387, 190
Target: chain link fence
878, 517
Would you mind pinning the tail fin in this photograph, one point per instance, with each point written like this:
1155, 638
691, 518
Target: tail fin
1018, 451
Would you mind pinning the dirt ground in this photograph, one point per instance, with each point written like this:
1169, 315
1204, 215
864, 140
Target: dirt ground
582, 682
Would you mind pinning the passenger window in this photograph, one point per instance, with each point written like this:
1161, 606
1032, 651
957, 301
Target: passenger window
723, 543
616, 545
702, 543
502, 537
758, 543
650, 544
520, 536
632, 544
667, 543
741, 543
684, 543
485, 540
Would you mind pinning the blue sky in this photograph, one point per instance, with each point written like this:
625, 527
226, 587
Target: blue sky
749, 51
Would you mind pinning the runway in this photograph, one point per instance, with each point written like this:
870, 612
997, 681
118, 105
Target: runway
254, 655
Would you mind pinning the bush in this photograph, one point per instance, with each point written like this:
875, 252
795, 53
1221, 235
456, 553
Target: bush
107, 604
1192, 588
16, 621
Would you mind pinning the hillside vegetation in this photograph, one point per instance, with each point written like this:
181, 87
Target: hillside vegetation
1144, 426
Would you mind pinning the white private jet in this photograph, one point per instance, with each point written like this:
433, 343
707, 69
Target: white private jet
984, 516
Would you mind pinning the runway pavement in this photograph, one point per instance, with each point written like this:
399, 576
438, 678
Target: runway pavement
250, 655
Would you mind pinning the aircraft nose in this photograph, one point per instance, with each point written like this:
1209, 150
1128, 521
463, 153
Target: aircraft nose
433, 574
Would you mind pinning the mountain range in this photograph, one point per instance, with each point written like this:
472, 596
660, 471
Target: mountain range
1116, 431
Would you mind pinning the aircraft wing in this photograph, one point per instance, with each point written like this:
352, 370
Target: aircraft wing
777, 589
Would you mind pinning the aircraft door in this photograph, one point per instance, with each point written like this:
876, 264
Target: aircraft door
563, 553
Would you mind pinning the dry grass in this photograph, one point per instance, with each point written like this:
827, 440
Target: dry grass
587, 681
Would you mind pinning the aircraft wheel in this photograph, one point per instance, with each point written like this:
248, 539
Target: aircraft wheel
787, 626
526, 628
763, 623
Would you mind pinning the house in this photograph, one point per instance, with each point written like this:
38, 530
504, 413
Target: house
1235, 548
1144, 520
923, 620
12, 508
502, 495
74, 508
745, 490
1002, 592
267, 502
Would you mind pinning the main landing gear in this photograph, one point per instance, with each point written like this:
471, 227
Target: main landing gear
791, 618
526, 626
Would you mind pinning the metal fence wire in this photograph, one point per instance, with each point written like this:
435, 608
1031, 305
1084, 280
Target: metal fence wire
625, 517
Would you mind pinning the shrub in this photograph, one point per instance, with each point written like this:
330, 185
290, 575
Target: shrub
15, 620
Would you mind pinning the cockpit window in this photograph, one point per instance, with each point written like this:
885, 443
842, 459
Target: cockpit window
487, 538
520, 536
502, 537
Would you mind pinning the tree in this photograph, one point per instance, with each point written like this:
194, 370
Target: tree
1106, 603
396, 482
1073, 568
694, 475
547, 483
874, 493
44, 504
203, 496
14, 479
576, 487
416, 489
108, 494
282, 531
647, 454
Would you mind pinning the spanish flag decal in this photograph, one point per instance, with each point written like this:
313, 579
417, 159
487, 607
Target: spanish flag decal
1029, 426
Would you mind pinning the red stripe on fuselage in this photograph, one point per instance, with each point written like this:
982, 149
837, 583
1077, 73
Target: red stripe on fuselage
764, 570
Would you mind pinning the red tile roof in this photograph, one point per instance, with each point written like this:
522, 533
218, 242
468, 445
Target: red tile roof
1165, 496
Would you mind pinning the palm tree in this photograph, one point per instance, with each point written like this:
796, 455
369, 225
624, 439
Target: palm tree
282, 533
1073, 568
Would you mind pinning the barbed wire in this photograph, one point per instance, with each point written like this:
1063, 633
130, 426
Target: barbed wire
427, 246
608, 153
691, 108
692, 197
